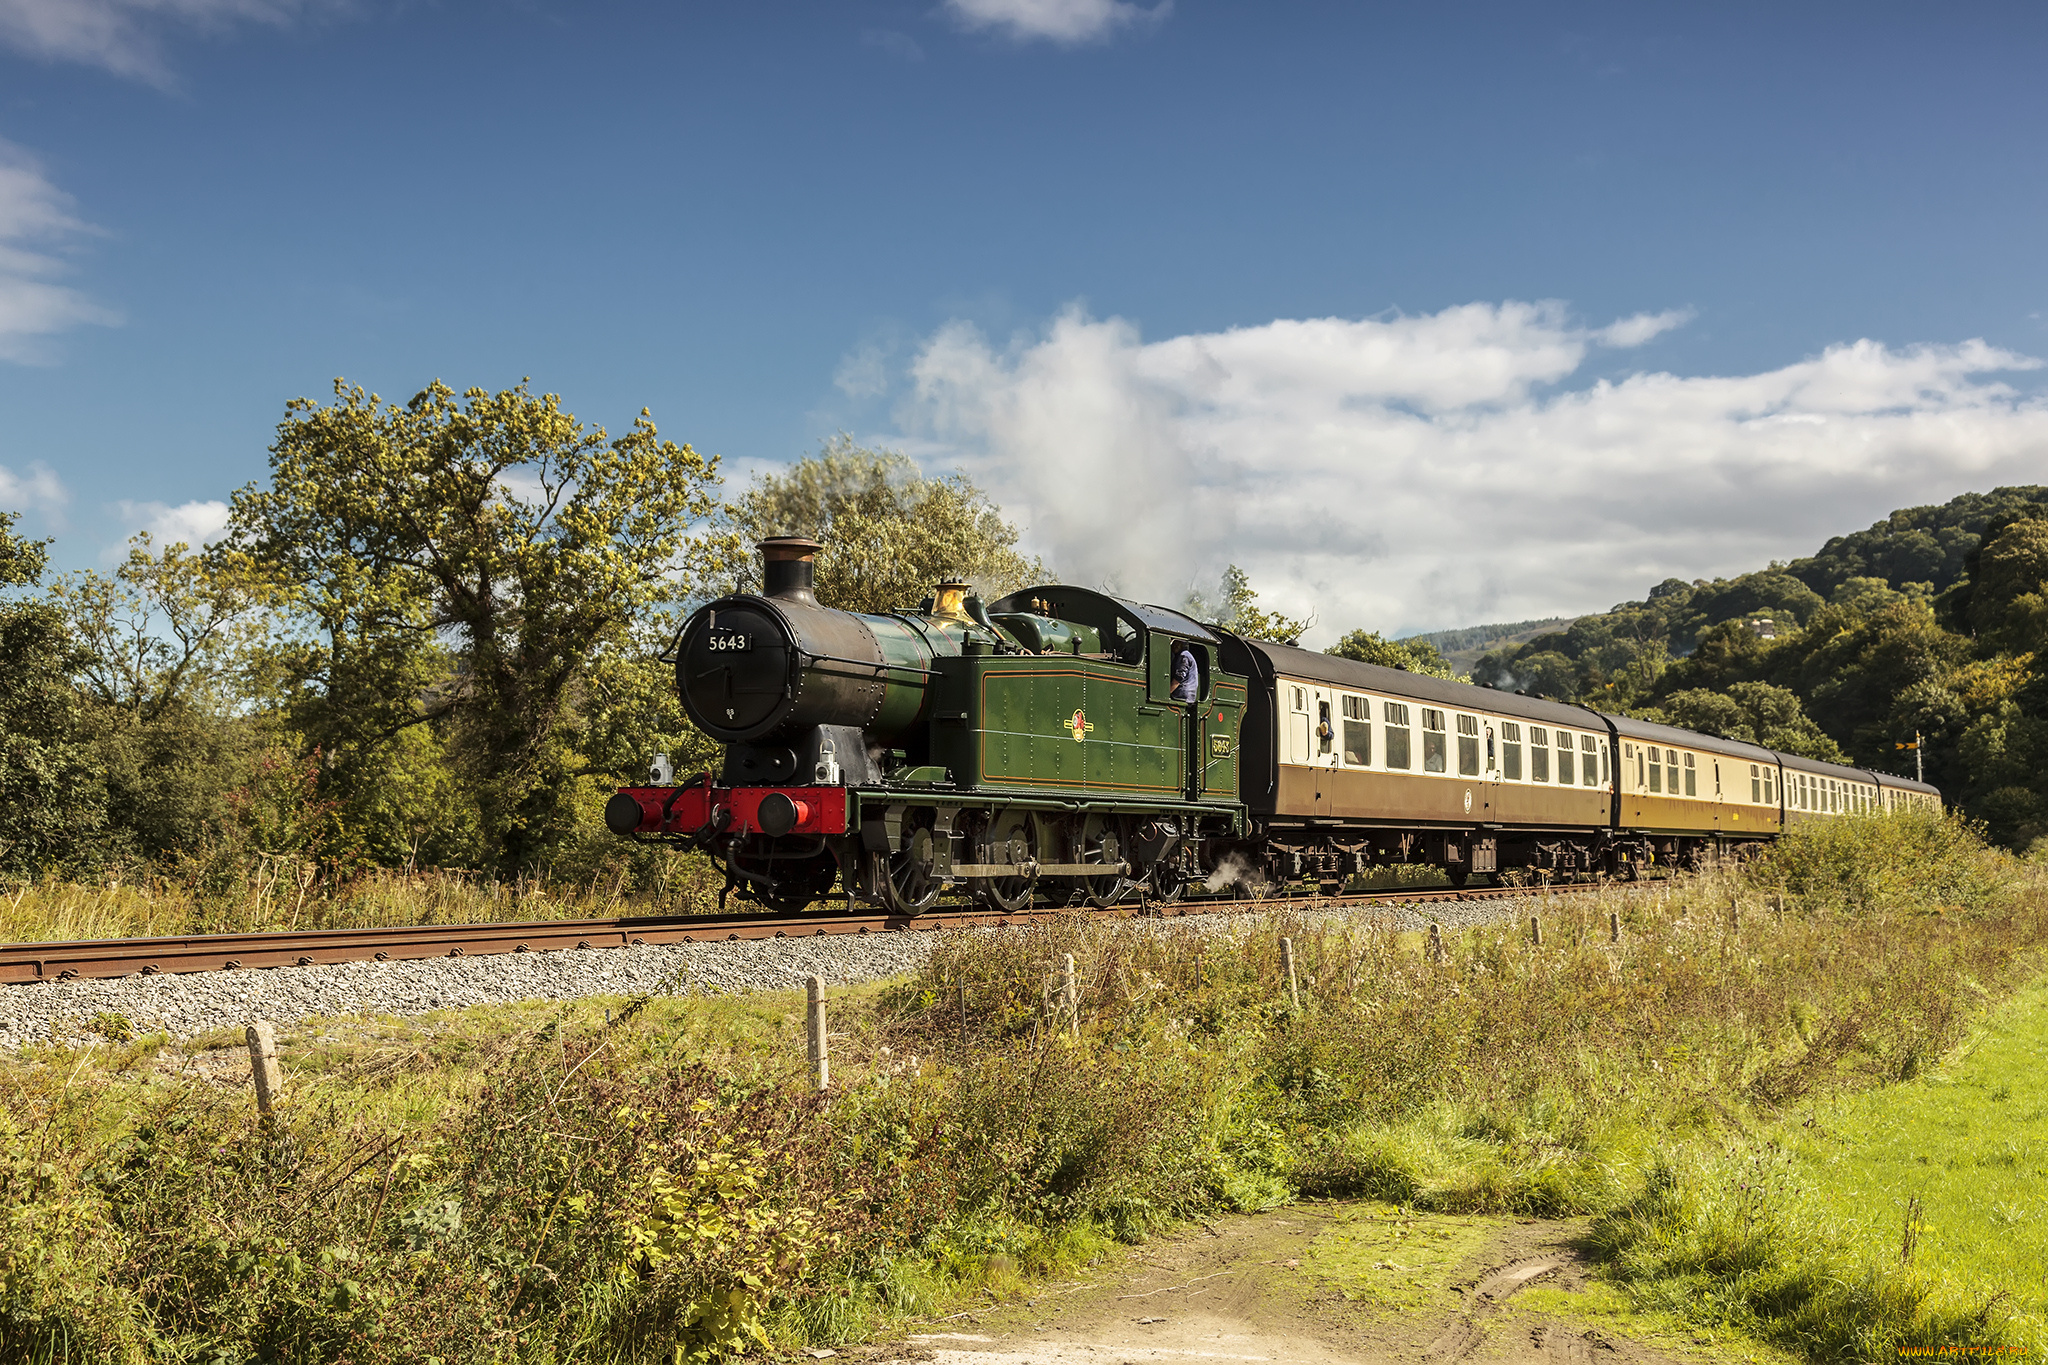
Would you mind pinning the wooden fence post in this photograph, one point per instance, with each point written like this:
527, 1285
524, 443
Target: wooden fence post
1614, 926
1070, 998
1287, 969
814, 1000
263, 1065
1536, 931
1436, 942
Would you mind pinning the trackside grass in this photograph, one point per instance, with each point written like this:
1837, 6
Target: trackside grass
652, 1180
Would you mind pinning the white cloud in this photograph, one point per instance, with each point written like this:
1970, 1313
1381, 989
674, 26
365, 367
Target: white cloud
193, 523
1061, 21
862, 372
35, 214
122, 36
1411, 472
36, 488
899, 45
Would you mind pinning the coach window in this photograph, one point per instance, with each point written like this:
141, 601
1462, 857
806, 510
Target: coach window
1671, 771
1539, 754
1756, 785
1564, 759
1511, 750
1606, 775
1636, 751
1358, 731
1589, 768
1434, 746
1770, 794
1324, 730
1692, 781
1396, 715
1468, 746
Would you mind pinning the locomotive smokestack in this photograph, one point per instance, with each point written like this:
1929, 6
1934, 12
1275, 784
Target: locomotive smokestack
789, 567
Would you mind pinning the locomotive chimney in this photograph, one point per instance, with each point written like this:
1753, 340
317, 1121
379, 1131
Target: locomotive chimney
951, 601
788, 567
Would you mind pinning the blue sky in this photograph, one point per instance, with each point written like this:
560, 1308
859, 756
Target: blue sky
1340, 292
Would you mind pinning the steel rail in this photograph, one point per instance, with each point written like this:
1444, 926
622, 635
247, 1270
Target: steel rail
25, 963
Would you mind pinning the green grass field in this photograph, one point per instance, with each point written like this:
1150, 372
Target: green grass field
1969, 1142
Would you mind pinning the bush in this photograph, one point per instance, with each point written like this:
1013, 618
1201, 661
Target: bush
1911, 859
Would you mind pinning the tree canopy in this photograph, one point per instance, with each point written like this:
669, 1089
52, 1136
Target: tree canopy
890, 533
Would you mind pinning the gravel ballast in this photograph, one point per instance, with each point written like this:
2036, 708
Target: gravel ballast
187, 1006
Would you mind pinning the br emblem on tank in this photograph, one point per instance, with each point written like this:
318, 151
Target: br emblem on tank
1080, 726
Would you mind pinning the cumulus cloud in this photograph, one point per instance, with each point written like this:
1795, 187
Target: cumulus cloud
123, 36
1440, 470
36, 488
195, 523
35, 216
1060, 21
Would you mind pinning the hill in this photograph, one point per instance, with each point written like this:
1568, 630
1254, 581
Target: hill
1928, 622
1461, 648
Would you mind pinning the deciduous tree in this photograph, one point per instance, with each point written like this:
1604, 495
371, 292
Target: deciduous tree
472, 563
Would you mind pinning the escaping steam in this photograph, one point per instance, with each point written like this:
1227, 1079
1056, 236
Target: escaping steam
1234, 871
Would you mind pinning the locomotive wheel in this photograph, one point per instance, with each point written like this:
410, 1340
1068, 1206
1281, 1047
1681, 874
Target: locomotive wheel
1166, 881
907, 881
1102, 841
1011, 836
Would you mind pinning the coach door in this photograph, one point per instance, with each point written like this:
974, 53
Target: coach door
1299, 706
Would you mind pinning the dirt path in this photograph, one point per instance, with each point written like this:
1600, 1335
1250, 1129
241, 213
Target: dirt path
1315, 1284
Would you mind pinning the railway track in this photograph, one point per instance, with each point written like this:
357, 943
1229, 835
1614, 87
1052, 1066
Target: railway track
26, 963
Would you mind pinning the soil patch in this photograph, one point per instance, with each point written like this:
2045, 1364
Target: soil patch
1315, 1284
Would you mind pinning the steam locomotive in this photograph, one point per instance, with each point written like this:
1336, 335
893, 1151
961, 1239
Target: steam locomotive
1037, 747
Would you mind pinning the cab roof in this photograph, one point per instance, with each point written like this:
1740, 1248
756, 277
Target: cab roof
1064, 597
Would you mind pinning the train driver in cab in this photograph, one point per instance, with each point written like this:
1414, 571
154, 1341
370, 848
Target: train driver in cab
1187, 675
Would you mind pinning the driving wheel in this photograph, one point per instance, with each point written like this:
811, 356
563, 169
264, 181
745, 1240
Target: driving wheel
1102, 841
1011, 836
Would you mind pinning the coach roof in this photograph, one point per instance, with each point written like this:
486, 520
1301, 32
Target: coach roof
1631, 728
1310, 666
